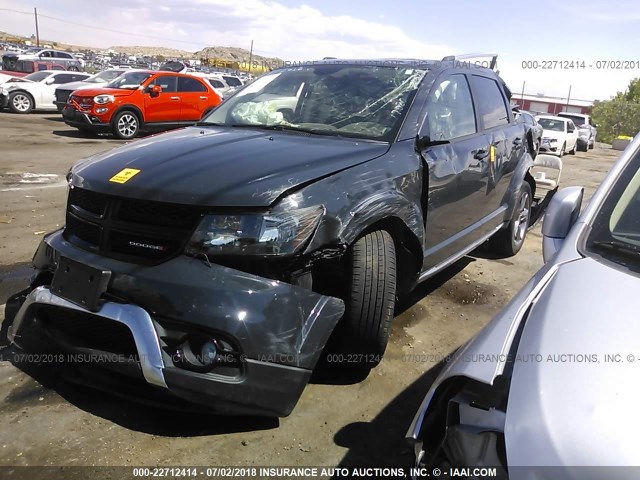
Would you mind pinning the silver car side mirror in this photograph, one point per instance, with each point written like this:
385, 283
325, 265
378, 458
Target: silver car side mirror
561, 214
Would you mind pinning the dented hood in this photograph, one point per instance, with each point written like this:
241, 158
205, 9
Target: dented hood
574, 390
221, 166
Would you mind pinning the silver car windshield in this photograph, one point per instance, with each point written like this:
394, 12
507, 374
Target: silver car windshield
615, 233
362, 101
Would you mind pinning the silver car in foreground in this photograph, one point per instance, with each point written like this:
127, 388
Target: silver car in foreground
549, 388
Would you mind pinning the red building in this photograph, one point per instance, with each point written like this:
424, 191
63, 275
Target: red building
550, 105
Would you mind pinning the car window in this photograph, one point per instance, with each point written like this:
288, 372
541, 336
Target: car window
167, 82
216, 83
37, 76
232, 81
60, 78
528, 119
46, 54
570, 126
450, 111
552, 124
490, 102
186, 84
615, 231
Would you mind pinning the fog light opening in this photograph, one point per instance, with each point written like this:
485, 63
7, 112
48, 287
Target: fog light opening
197, 353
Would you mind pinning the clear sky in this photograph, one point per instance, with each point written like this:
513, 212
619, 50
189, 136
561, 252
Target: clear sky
572, 30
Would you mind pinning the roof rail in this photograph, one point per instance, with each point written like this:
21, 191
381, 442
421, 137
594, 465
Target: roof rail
493, 56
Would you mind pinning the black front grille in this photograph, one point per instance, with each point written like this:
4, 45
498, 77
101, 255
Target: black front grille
85, 330
62, 95
138, 231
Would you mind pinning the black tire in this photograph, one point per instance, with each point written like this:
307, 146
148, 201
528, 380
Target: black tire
371, 299
74, 69
508, 241
591, 145
125, 125
562, 150
573, 150
21, 102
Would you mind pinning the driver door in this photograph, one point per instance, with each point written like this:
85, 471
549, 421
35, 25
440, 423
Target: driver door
457, 163
164, 107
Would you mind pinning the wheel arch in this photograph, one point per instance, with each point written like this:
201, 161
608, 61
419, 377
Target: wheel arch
28, 93
131, 108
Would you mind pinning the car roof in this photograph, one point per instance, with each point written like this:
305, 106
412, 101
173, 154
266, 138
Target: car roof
561, 114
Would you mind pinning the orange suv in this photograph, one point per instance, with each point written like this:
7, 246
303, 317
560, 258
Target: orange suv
141, 100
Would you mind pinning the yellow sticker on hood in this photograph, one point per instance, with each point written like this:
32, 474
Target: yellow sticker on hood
123, 176
492, 153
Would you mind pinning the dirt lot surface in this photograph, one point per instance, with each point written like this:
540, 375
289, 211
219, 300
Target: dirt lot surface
338, 421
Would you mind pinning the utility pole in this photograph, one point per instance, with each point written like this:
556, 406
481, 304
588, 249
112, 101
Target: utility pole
250, 56
568, 97
35, 13
522, 94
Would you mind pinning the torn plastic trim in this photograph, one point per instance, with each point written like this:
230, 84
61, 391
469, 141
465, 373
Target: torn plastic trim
135, 318
269, 320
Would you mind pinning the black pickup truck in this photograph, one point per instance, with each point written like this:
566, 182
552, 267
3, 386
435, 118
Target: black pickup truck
217, 264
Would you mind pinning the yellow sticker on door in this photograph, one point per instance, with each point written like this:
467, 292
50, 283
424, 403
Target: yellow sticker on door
492, 153
123, 176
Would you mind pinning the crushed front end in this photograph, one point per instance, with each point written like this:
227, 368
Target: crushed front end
116, 291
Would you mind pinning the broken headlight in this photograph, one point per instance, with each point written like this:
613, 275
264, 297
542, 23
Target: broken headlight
255, 234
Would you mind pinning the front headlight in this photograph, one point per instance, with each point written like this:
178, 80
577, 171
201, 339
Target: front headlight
102, 99
553, 140
255, 234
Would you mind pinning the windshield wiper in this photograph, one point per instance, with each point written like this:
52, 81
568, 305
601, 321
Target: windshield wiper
619, 247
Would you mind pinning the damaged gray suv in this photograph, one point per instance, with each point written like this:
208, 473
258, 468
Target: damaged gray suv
217, 264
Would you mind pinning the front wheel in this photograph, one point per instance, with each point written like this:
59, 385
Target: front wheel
20, 102
564, 145
573, 150
125, 125
371, 299
508, 241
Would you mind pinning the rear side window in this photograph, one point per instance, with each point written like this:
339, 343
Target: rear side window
490, 102
450, 110
167, 82
186, 84
61, 78
216, 83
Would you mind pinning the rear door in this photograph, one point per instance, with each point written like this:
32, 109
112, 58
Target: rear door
164, 107
48, 90
506, 144
457, 160
194, 98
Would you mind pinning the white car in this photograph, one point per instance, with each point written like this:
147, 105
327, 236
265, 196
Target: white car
36, 90
559, 135
586, 129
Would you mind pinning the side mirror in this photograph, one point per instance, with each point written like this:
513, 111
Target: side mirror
154, 90
561, 215
49, 81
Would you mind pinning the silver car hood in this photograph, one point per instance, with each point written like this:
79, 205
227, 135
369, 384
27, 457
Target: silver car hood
568, 404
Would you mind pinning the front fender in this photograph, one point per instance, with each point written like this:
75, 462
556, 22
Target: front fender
518, 177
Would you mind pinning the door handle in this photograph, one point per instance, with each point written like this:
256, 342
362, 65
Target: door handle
175, 98
481, 154
203, 98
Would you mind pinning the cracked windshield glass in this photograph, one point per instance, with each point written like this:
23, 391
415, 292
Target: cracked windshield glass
351, 101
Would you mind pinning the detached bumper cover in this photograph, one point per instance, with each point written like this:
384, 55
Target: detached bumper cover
280, 329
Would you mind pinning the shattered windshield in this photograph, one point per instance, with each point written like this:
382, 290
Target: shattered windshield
363, 101
130, 80
615, 233
12, 64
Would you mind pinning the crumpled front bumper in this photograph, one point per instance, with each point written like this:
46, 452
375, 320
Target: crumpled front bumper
279, 329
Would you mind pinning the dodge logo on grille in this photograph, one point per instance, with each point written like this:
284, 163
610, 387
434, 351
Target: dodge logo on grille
159, 248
